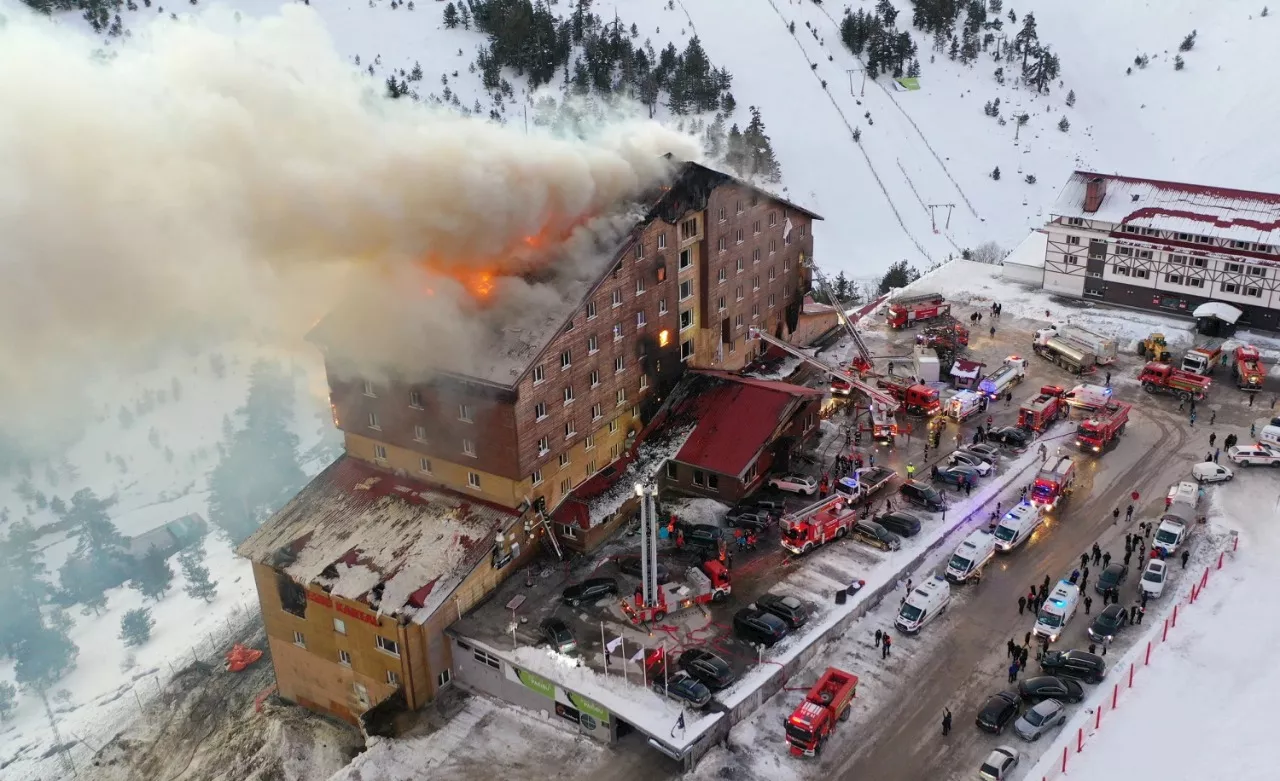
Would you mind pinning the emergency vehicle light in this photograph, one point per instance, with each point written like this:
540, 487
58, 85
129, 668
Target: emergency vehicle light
1059, 603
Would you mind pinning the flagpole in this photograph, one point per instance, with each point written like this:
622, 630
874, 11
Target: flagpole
644, 674
665, 683
626, 674
605, 647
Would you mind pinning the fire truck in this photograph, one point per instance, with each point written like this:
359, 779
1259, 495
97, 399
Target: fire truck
817, 524
1248, 369
1044, 409
1054, 482
916, 399
953, 336
906, 311
707, 583
1163, 378
998, 382
1202, 360
828, 702
1103, 427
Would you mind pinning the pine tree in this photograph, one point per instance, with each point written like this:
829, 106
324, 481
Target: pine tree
1071, 98
761, 161
450, 16
99, 559
1027, 37
899, 275
1064, 125
1188, 43
198, 586
136, 626
1178, 62
153, 575
913, 70
43, 655
841, 287
995, 174
464, 14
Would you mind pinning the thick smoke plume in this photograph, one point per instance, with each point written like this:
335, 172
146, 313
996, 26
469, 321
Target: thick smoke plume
213, 174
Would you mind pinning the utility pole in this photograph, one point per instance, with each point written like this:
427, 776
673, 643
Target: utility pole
852, 71
933, 219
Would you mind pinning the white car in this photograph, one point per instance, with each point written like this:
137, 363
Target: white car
1153, 578
999, 764
1209, 472
966, 458
796, 484
1250, 455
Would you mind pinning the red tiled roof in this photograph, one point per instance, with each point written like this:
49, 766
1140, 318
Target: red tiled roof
735, 420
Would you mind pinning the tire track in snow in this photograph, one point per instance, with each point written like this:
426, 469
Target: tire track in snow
904, 113
875, 175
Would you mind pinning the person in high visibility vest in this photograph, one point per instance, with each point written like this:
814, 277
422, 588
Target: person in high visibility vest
911, 470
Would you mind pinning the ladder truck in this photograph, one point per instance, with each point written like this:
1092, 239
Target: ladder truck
1247, 368
862, 361
883, 406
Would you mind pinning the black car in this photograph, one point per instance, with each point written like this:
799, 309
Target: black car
922, 495
1112, 577
791, 610
760, 505
683, 686
1108, 624
1050, 687
900, 522
558, 635
999, 710
876, 535
958, 475
701, 535
1010, 436
590, 590
1081, 665
631, 566
713, 671
756, 625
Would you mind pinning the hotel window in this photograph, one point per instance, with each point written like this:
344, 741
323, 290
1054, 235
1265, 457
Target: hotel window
1121, 271
686, 289
723, 215
738, 266
698, 477
568, 394
424, 466
804, 229
1256, 292
662, 241
1075, 221
593, 344
473, 479
662, 306
688, 229
564, 460
591, 467
570, 428
1193, 282
465, 413
713, 482
639, 250
1125, 251
566, 359
686, 319
755, 282
615, 451
380, 452
1198, 262
618, 365
722, 275
420, 433
415, 399
373, 421
1141, 273
755, 228
1233, 268
644, 381
569, 325
686, 259
468, 448
755, 311
389, 646
773, 219
483, 657
773, 273
1257, 271
1203, 240
620, 397
738, 293
540, 410
755, 255
536, 477
616, 299
617, 331
344, 658
1173, 279
595, 378
773, 300
539, 374
1227, 287
639, 285
596, 414
393, 678
786, 264
566, 485
720, 304
589, 442
1143, 254
544, 446
773, 246
722, 244
737, 321
339, 626
591, 310
737, 207
1073, 241
1178, 260
299, 640
737, 236
613, 426
686, 350
368, 389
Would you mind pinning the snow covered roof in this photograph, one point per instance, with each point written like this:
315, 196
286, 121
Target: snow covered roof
967, 369
1220, 212
1224, 312
354, 528
812, 307
1030, 252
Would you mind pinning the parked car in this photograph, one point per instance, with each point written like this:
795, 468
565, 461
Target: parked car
998, 711
558, 635
922, 495
1112, 577
1153, 578
713, 671
1253, 455
755, 625
1209, 472
630, 565
990, 453
791, 610
796, 484
683, 686
1041, 718
900, 522
590, 590
1046, 687
1081, 665
754, 521
701, 535
965, 458
999, 764
1108, 624
1011, 437
756, 506
876, 535
957, 474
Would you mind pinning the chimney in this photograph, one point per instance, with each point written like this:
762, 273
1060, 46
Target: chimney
1094, 191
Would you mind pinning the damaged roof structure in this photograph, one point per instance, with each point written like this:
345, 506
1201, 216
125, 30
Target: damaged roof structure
393, 543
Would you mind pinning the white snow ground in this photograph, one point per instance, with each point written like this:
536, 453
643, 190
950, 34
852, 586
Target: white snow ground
1203, 708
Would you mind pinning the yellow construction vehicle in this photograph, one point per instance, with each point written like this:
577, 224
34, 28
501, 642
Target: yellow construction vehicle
1153, 348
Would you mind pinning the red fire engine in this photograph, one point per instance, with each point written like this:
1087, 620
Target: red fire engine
1103, 427
817, 524
828, 702
1248, 369
1054, 481
700, 586
916, 399
1044, 409
906, 311
1163, 378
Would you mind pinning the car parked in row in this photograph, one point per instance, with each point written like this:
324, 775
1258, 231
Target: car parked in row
922, 495
757, 625
796, 484
590, 590
791, 610
703, 536
998, 712
1050, 687
1012, 437
875, 535
1153, 578
900, 522
684, 687
1113, 576
999, 764
1042, 717
1254, 455
557, 634
975, 461
630, 565
1081, 665
987, 452
1108, 624
959, 475
713, 671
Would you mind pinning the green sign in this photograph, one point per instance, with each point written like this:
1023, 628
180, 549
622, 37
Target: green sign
909, 83
588, 707
537, 683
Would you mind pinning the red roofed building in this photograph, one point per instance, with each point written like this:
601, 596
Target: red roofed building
1166, 245
741, 428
